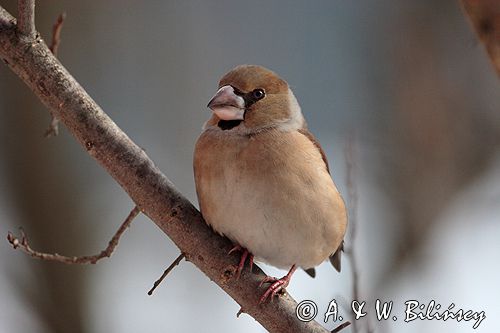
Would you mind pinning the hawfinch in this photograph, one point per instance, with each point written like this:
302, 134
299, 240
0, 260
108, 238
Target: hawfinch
262, 179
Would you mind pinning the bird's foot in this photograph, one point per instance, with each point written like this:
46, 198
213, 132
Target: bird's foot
277, 285
244, 255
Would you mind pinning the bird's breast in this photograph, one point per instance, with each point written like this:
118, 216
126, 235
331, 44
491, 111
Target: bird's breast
271, 193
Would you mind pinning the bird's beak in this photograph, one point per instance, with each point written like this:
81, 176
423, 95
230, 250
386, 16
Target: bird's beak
227, 105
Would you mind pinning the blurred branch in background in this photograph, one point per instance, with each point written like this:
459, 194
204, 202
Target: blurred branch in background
352, 196
153, 193
440, 134
485, 18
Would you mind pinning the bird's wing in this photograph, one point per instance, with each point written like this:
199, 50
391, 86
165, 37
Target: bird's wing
334, 258
304, 131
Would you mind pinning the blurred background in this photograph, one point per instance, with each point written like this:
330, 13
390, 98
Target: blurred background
408, 78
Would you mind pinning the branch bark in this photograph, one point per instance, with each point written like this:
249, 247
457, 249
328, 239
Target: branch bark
152, 192
485, 18
26, 17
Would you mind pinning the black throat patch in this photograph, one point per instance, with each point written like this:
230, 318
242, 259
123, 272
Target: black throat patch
228, 124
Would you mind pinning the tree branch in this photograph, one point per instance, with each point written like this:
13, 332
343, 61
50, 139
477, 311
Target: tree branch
129, 165
24, 245
485, 18
166, 272
26, 17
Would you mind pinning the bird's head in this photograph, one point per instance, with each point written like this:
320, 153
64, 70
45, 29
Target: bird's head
257, 98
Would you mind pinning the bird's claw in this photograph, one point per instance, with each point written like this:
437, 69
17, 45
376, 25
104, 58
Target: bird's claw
268, 279
244, 255
277, 285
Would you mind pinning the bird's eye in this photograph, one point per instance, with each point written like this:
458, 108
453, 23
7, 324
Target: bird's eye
258, 94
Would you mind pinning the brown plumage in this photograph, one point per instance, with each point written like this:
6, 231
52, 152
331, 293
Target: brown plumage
262, 178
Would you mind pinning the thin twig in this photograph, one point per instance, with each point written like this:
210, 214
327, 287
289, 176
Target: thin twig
164, 275
23, 244
341, 327
53, 129
56, 34
353, 204
240, 311
26, 17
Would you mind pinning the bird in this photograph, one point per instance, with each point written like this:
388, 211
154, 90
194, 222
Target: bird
263, 180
